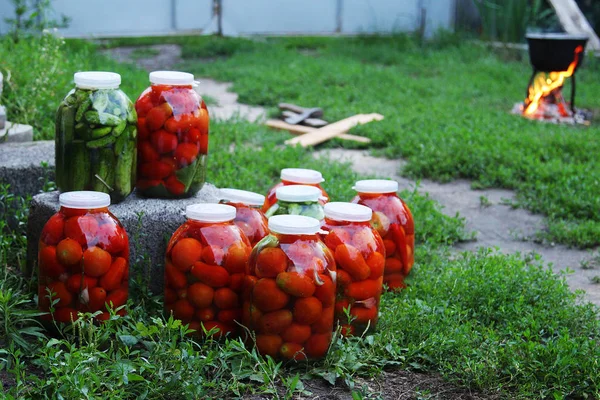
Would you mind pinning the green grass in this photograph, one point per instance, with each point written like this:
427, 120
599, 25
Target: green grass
447, 112
486, 321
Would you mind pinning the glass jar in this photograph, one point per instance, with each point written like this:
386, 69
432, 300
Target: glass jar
249, 217
83, 259
173, 137
298, 200
206, 262
96, 137
360, 259
296, 176
290, 293
394, 222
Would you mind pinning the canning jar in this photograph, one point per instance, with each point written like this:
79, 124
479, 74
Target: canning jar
394, 222
83, 259
249, 217
173, 137
360, 259
290, 293
206, 262
296, 176
298, 200
96, 137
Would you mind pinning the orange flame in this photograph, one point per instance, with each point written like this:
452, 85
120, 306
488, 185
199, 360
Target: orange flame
543, 86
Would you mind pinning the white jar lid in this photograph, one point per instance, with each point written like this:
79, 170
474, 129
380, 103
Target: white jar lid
242, 196
97, 80
171, 78
351, 212
210, 212
84, 200
301, 175
298, 193
376, 186
294, 224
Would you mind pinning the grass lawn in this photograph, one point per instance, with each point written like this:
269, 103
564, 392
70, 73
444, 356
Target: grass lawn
447, 112
503, 325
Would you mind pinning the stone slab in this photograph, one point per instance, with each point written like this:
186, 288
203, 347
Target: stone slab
13, 132
21, 165
149, 224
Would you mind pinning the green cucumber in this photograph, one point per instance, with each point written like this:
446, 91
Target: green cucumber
102, 142
103, 174
80, 166
131, 114
82, 108
123, 169
101, 132
117, 130
94, 117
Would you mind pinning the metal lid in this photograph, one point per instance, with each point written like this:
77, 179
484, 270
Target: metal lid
301, 175
297, 193
376, 186
242, 196
210, 212
97, 80
294, 225
351, 212
171, 78
84, 200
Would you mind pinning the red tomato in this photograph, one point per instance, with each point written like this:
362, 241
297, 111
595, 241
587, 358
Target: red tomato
81, 228
157, 116
147, 152
185, 154
49, 265
163, 141
53, 230
174, 186
156, 170
143, 105
96, 262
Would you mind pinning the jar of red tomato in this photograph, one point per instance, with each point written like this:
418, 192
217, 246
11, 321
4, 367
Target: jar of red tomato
206, 262
360, 258
296, 176
83, 259
172, 137
290, 293
249, 217
394, 222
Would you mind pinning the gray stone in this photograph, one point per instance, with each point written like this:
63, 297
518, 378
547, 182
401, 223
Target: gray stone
21, 165
13, 132
149, 224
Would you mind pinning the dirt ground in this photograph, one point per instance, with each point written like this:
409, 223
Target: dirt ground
494, 223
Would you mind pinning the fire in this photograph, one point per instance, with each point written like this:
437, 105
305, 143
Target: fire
544, 86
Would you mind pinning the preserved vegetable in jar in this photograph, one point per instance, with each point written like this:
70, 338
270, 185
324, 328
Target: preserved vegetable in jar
83, 259
206, 263
394, 222
173, 127
289, 296
360, 259
249, 216
296, 176
96, 137
298, 200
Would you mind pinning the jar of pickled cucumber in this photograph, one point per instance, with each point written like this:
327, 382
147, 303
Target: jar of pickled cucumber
360, 258
298, 200
206, 262
96, 137
296, 176
289, 295
173, 137
83, 259
249, 216
394, 222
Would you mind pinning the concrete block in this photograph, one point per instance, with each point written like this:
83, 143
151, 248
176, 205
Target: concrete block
149, 224
13, 132
21, 165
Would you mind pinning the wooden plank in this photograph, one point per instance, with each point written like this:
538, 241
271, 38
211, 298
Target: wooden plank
574, 22
332, 130
301, 129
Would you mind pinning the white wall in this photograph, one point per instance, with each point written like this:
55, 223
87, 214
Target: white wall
244, 17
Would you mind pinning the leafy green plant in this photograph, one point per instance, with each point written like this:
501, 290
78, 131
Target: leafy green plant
33, 16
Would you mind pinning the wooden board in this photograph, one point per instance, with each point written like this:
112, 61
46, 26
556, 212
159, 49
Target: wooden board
333, 130
301, 129
574, 22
